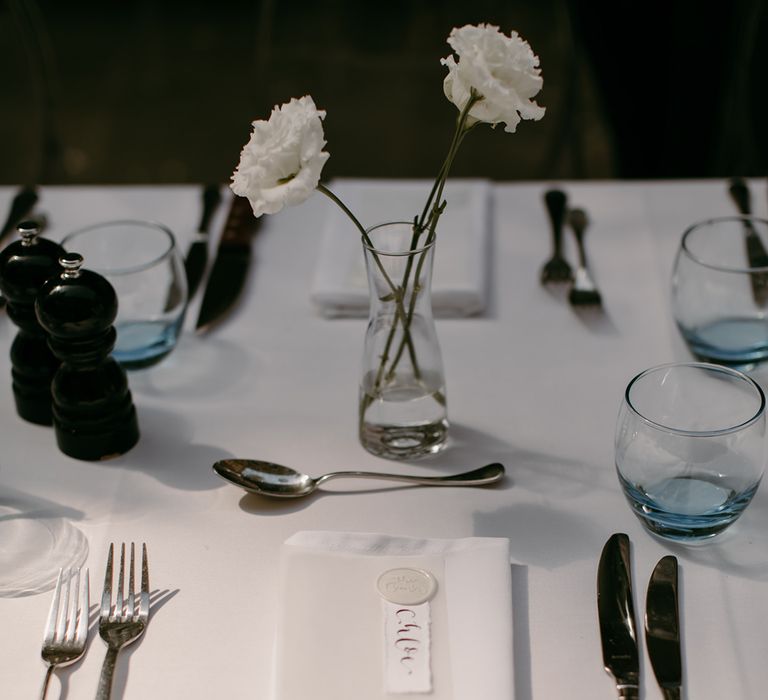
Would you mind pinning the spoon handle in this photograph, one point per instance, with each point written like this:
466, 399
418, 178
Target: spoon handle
477, 477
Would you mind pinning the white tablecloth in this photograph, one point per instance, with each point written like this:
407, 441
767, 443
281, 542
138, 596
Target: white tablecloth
530, 383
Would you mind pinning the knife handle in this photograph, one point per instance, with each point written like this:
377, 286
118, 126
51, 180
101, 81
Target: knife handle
211, 199
241, 223
739, 191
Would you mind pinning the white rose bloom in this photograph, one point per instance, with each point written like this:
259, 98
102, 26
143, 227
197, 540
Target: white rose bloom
504, 70
282, 162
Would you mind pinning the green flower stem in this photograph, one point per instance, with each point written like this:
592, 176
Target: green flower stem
458, 136
322, 188
430, 215
397, 292
437, 208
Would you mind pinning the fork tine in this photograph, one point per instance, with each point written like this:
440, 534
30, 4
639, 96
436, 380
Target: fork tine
81, 629
64, 610
144, 598
125, 626
70, 617
106, 596
130, 608
120, 582
53, 613
66, 632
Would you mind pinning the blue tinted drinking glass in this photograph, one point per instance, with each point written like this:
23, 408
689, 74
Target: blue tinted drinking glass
690, 448
141, 261
720, 291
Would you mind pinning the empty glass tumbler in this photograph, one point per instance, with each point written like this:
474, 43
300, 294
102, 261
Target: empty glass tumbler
690, 448
720, 290
141, 261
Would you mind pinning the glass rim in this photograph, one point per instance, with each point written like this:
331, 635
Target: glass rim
395, 253
156, 225
697, 433
714, 266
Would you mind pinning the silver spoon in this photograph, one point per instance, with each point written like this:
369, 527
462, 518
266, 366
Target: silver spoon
268, 479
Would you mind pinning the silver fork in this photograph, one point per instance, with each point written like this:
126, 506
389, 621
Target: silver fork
584, 290
66, 631
124, 622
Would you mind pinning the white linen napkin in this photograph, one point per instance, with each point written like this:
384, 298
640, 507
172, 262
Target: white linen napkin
460, 279
330, 639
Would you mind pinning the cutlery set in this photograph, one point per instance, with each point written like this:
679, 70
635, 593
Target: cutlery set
557, 270
122, 619
618, 630
583, 290
228, 273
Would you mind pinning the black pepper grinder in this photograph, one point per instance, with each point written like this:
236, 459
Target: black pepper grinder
25, 265
93, 411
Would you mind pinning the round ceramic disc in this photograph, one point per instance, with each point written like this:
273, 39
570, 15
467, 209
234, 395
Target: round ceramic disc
407, 586
33, 549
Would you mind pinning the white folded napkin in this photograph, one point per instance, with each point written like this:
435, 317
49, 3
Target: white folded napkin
460, 278
331, 642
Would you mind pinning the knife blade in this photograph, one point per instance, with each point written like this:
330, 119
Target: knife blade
756, 252
616, 614
662, 627
197, 255
21, 205
230, 268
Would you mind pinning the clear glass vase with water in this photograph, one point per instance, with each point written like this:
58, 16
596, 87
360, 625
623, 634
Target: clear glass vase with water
402, 409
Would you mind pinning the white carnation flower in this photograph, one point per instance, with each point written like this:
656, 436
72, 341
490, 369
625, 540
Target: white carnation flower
282, 162
503, 70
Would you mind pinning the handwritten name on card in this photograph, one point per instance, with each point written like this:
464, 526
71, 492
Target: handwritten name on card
407, 648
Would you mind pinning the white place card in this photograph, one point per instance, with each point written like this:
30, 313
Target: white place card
406, 648
351, 642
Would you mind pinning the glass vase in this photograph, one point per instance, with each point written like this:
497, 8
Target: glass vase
402, 388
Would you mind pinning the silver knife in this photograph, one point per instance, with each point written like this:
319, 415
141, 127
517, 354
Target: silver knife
616, 614
662, 628
230, 268
197, 255
756, 252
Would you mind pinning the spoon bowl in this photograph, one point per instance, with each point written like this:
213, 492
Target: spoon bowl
270, 479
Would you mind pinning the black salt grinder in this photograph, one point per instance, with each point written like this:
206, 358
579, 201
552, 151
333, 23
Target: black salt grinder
25, 265
93, 411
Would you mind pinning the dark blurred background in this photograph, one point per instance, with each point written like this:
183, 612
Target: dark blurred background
154, 92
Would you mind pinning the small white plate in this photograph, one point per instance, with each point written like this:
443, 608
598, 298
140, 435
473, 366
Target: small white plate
33, 549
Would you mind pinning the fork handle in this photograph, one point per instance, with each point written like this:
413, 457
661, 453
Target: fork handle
578, 234
556, 202
104, 691
48, 674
